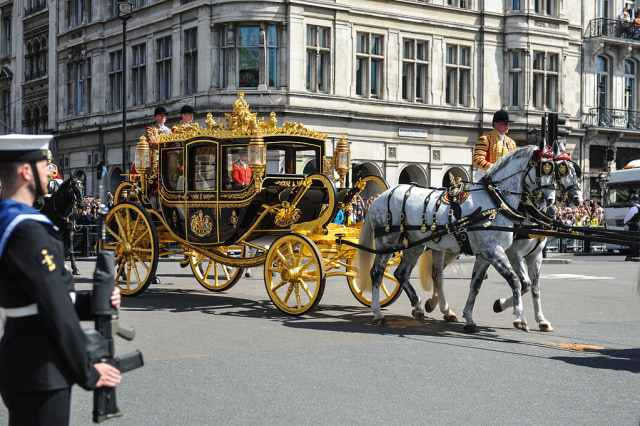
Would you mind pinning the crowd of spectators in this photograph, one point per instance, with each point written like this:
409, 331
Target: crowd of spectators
590, 214
90, 215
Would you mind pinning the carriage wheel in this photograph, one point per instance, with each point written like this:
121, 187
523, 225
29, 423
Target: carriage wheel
390, 287
294, 274
134, 239
215, 276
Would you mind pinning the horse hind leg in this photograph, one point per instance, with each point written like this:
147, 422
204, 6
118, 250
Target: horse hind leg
377, 273
440, 261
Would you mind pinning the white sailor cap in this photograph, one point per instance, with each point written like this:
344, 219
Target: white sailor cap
17, 147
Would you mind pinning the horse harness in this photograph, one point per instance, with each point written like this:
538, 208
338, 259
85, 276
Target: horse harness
458, 193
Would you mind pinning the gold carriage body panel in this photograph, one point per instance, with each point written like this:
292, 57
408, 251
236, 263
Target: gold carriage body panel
209, 197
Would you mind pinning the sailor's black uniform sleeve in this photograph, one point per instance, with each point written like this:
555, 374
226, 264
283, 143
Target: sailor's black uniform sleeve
39, 266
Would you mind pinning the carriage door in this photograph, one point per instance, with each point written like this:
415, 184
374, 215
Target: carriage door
201, 198
172, 189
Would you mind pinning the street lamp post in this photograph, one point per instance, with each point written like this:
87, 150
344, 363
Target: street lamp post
124, 12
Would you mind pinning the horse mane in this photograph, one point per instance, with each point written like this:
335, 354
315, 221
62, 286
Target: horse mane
525, 151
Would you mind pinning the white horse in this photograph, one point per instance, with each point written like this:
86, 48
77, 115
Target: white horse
411, 219
525, 256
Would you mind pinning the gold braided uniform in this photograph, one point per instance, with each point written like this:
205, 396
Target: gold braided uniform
489, 148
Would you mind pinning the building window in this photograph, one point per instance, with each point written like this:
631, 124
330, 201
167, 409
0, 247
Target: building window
79, 87
44, 119
515, 5
26, 122
115, 79
369, 65
163, 68
463, 4
226, 50
139, 74
78, 12
318, 55
629, 85
248, 56
546, 7
272, 56
191, 60
515, 78
458, 75
545, 81
6, 36
35, 59
415, 68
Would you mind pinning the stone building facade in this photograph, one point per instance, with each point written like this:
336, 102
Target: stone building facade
411, 84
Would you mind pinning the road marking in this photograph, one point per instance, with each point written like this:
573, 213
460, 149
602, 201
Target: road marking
573, 277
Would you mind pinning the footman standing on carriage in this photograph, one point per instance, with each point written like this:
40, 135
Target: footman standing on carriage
43, 350
631, 220
490, 147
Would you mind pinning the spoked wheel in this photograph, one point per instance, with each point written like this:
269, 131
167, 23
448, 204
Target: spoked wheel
294, 274
390, 288
215, 276
134, 239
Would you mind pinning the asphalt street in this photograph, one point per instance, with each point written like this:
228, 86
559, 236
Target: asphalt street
232, 358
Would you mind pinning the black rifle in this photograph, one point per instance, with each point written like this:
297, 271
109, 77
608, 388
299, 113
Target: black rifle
101, 345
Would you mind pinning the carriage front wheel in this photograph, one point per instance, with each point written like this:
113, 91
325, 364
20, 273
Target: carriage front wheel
390, 288
294, 274
133, 237
215, 276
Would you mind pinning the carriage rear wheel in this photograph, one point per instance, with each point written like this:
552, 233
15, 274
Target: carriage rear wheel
390, 288
215, 276
294, 274
134, 239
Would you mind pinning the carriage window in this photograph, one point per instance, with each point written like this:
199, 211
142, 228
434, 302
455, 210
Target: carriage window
292, 161
203, 168
237, 174
173, 178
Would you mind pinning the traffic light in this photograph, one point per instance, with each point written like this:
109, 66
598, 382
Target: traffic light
556, 128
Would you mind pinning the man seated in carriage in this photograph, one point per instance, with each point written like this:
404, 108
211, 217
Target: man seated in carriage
241, 174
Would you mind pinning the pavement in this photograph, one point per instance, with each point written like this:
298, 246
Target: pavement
232, 358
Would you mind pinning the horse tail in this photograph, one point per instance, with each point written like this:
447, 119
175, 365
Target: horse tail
425, 269
365, 258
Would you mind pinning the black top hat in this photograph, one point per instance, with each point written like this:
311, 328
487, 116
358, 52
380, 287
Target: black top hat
160, 110
24, 147
187, 109
501, 116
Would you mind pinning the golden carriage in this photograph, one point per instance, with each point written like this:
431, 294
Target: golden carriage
281, 219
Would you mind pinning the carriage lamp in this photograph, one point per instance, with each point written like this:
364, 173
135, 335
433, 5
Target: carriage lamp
341, 159
257, 156
143, 157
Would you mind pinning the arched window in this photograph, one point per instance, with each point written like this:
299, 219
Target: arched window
28, 69
42, 58
44, 118
35, 122
26, 121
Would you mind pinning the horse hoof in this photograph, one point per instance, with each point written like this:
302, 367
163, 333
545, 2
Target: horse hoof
156, 280
546, 327
451, 318
419, 315
380, 321
76, 272
470, 328
521, 325
430, 305
497, 306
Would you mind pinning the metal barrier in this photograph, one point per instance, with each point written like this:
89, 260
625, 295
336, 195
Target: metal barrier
85, 239
570, 245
